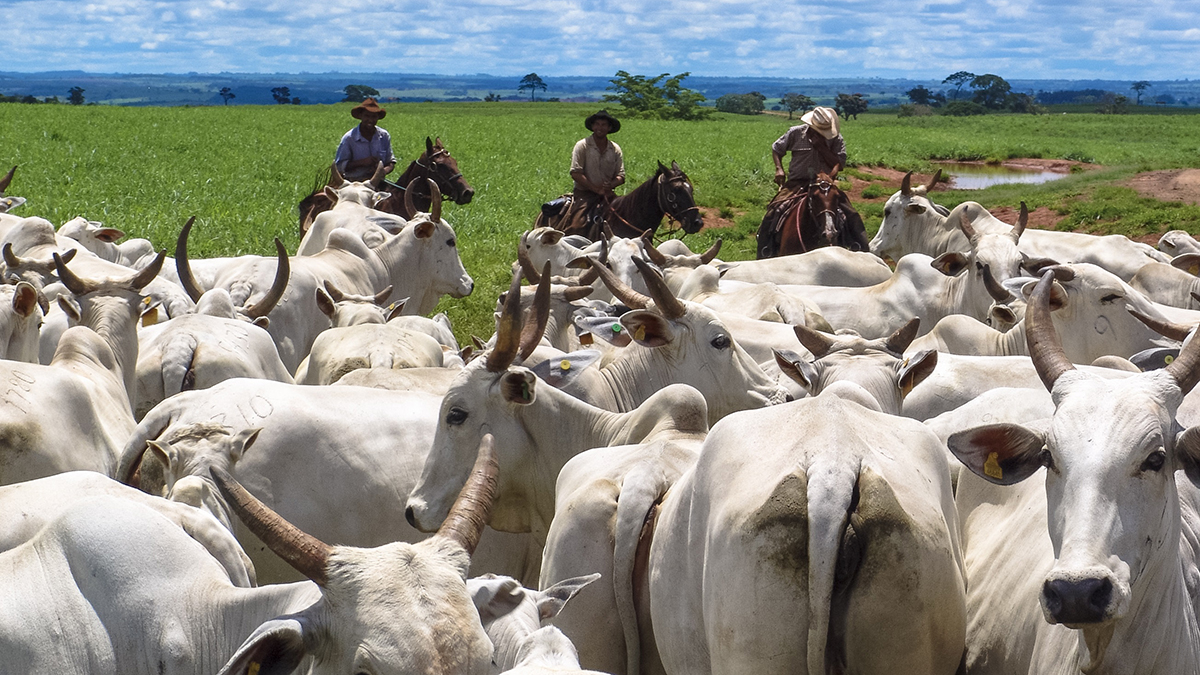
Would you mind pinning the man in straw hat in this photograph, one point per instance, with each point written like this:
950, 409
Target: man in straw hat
597, 167
817, 147
366, 145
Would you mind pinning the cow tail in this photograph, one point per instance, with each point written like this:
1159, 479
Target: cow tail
640, 491
178, 359
832, 496
380, 358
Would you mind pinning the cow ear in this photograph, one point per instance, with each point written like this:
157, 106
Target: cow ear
241, 442
551, 238
647, 328
495, 596
1188, 262
162, 451
1187, 449
325, 303
333, 197
1002, 314
551, 601
796, 367
519, 386
914, 209
424, 229
1003, 454
561, 371
1058, 294
951, 264
263, 322
378, 197
25, 299
275, 648
915, 369
109, 234
396, 309
69, 306
606, 328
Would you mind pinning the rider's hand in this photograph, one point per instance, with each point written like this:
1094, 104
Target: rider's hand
780, 178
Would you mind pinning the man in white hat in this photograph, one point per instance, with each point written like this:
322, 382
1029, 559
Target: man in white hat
817, 147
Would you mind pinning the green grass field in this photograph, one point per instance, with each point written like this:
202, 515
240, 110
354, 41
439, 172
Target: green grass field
241, 170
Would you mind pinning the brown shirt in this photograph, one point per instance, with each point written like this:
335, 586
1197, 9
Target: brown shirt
599, 167
806, 161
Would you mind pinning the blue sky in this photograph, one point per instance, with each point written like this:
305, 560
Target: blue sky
1067, 39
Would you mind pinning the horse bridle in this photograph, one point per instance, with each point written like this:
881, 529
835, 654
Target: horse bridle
825, 187
431, 169
658, 192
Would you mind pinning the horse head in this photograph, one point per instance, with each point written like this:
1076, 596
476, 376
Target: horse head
440, 166
823, 196
676, 199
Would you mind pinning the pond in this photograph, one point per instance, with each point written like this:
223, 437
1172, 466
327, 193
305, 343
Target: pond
971, 176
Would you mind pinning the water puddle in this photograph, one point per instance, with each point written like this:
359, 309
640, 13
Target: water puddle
971, 176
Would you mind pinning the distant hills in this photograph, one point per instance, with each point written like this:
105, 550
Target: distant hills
310, 88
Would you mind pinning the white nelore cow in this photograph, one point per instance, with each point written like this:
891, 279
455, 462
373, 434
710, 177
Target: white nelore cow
1107, 548
102, 241
111, 587
827, 266
354, 209
1174, 284
198, 351
914, 224
835, 549
88, 383
421, 263
21, 314
1178, 242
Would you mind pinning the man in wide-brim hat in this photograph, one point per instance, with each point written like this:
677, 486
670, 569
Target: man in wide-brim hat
597, 167
365, 146
817, 147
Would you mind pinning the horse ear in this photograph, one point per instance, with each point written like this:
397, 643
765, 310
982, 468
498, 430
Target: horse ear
428, 146
661, 168
675, 166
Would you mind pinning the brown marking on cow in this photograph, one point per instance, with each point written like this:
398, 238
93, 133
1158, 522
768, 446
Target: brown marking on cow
782, 521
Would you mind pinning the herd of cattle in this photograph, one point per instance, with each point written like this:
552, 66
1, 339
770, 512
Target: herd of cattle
704, 466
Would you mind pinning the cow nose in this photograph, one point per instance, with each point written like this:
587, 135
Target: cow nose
1077, 601
410, 516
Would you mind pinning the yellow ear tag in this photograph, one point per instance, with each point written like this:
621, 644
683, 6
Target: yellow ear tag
991, 467
253, 669
146, 300
1168, 359
564, 364
639, 333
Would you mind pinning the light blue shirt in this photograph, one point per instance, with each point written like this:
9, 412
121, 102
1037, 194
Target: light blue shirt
355, 146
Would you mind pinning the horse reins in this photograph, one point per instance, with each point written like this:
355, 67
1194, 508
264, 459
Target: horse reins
430, 168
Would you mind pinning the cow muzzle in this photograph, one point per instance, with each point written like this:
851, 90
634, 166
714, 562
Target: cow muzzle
1080, 598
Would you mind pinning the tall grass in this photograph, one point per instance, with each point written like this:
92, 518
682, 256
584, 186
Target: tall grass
242, 169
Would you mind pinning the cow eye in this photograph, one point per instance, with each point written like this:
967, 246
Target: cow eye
456, 416
1110, 298
1047, 459
721, 341
450, 242
1155, 461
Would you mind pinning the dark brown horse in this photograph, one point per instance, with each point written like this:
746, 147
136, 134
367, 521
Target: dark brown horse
435, 164
817, 219
667, 193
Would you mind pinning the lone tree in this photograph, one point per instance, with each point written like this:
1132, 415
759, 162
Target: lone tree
75, 95
919, 95
742, 104
357, 93
281, 95
641, 96
531, 82
850, 105
1139, 87
958, 81
991, 91
792, 102
227, 93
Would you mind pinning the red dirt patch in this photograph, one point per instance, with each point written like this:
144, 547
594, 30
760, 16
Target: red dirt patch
1173, 185
713, 219
1041, 217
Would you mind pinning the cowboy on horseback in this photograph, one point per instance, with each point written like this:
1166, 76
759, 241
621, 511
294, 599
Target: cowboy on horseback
817, 148
365, 146
597, 167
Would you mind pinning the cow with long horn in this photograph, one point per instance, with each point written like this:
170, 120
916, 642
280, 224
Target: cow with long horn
1107, 530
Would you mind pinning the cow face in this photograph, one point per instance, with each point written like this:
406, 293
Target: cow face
21, 315
906, 215
423, 261
1113, 510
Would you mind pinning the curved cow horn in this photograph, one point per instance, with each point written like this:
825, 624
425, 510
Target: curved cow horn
656, 256
11, 259
435, 196
577, 293
283, 272
531, 334
590, 276
409, 207
666, 302
1167, 329
381, 297
148, 273
1184, 367
507, 333
711, 254
905, 187
1044, 347
1022, 221
608, 233
334, 292
7, 179
900, 340
994, 288
625, 294
73, 283
335, 177
377, 177
816, 342
965, 224
471, 511
523, 260
184, 268
304, 552
937, 176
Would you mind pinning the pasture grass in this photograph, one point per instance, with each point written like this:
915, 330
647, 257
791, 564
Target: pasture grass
242, 169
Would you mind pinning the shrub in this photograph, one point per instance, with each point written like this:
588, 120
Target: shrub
963, 109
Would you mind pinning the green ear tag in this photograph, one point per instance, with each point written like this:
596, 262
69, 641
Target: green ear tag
525, 395
616, 328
